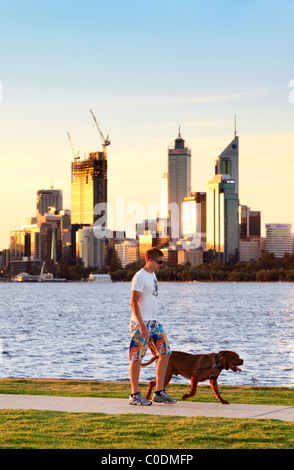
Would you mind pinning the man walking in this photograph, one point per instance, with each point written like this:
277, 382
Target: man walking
144, 327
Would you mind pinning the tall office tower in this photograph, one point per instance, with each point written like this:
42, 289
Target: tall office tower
222, 220
88, 187
179, 180
48, 198
278, 239
227, 162
194, 215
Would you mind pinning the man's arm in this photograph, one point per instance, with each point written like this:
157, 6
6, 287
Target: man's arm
135, 299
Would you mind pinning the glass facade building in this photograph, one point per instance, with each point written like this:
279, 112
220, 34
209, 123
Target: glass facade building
227, 162
194, 215
222, 220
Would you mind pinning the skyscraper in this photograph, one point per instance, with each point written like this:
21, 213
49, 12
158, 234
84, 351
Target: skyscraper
48, 198
194, 215
227, 162
222, 222
179, 177
88, 187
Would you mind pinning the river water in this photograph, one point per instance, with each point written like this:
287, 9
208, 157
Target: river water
81, 330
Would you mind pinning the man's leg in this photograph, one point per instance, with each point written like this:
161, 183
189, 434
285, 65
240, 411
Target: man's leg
161, 343
161, 367
136, 398
134, 376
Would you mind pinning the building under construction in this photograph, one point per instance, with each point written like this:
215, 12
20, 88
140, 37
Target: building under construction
88, 187
88, 183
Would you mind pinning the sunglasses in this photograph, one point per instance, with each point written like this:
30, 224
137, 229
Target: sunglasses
157, 261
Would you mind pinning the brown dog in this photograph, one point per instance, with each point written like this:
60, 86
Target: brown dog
198, 367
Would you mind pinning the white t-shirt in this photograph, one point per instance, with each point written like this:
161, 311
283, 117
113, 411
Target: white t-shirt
147, 284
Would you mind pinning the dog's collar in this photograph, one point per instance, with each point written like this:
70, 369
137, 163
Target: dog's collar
217, 361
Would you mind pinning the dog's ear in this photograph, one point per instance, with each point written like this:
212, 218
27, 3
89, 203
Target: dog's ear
224, 359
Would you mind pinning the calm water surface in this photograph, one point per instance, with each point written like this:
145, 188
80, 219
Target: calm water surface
81, 330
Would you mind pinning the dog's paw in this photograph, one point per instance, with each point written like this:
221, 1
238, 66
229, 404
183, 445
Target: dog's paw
184, 397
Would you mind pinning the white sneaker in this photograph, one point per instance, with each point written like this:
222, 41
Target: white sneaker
137, 399
163, 397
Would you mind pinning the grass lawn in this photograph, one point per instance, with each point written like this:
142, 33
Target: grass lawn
32, 429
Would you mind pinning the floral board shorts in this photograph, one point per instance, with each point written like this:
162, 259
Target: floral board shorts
157, 342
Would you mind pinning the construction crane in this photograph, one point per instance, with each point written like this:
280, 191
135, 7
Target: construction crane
76, 155
105, 142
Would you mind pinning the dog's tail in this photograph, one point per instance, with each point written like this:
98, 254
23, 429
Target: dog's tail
154, 358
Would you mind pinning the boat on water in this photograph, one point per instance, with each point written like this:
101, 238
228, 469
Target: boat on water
99, 278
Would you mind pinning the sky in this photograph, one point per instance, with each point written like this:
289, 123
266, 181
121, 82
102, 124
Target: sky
145, 68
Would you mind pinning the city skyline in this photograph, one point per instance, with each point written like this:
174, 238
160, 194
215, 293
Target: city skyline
142, 81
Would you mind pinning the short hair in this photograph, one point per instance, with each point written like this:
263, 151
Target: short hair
153, 253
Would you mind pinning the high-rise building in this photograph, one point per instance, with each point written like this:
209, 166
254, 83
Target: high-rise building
250, 248
179, 180
47, 198
90, 249
222, 221
194, 214
146, 241
88, 187
19, 245
278, 239
249, 223
227, 162
254, 223
127, 251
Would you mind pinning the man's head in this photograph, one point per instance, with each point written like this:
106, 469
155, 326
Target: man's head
154, 259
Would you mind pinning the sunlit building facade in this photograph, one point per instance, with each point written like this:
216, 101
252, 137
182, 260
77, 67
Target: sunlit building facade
194, 215
146, 241
19, 245
88, 187
222, 220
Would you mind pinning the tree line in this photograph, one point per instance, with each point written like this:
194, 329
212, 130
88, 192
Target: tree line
267, 269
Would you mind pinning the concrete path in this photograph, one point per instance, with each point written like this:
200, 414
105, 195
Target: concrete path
119, 406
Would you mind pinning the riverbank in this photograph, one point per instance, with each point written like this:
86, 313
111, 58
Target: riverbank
67, 425
249, 395
267, 269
